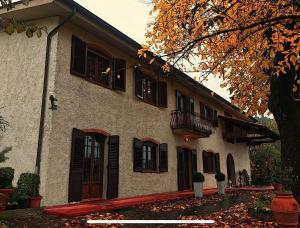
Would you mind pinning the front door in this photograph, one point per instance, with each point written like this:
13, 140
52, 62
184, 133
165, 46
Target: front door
231, 169
92, 181
186, 165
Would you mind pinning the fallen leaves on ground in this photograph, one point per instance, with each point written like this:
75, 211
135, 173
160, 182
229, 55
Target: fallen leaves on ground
81, 221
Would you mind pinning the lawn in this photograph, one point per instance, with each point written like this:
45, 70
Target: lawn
228, 210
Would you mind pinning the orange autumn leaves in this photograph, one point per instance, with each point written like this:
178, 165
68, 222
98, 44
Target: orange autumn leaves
233, 40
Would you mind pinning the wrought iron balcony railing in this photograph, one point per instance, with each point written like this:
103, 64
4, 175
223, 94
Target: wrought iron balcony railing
190, 123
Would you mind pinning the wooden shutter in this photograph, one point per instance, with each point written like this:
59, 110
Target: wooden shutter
205, 162
178, 100
217, 162
163, 157
215, 119
202, 111
76, 165
137, 155
194, 161
212, 162
138, 83
162, 94
78, 57
113, 167
119, 75
180, 168
192, 105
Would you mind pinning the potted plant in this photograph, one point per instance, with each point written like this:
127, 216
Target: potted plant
6, 178
23, 190
220, 178
198, 180
35, 198
13, 203
284, 206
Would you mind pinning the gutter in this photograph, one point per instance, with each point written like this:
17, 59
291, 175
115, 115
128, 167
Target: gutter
45, 88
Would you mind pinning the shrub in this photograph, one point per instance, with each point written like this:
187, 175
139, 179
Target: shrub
198, 177
6, 177
220, 176
28, 184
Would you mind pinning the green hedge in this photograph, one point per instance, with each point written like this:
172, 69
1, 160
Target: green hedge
28, 184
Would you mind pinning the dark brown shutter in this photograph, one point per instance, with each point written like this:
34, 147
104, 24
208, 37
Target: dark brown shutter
78, 57
154, 91
194, 161
217, 162
212, 162
180, 168
76, 165
177, 97
137, 155
163, 157
138, 83
215, 119
113, 167
162, 94
205, 162
119, 74
202, 111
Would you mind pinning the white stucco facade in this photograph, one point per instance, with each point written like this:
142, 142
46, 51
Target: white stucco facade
84, 105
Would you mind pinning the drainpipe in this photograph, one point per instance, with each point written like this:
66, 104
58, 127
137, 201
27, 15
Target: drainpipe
45, 87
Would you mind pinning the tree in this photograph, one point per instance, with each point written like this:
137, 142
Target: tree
10, 25
253, 46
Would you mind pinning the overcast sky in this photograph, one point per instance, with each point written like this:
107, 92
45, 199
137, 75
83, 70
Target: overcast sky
131, 17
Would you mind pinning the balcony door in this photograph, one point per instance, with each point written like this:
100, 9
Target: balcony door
184, 103
186, 166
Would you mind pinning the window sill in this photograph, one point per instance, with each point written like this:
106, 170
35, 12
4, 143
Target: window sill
150, 103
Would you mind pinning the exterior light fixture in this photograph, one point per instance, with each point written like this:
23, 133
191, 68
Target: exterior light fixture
53, 103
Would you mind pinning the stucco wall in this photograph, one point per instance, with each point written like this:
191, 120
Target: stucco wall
85, 105
21, 78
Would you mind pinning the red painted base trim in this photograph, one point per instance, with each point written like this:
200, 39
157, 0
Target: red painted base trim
83, 208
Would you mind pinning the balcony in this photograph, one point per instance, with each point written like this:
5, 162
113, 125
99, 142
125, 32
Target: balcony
190, 124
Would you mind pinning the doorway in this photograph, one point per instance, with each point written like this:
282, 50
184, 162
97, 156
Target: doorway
186, 166
93, 157
231, 169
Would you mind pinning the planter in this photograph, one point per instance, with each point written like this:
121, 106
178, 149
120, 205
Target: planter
2, 208
285, 209
23, 204
278, 187
198, 189
35, 202
221, 187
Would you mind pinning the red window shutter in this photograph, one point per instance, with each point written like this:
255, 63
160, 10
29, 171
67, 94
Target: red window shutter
76, 165
163, 157
119, 76
138, 83
162, 94
78, 57
137, 155
113, 167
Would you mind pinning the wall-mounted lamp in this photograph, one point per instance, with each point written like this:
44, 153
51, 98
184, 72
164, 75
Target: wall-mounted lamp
53, 101
186, 139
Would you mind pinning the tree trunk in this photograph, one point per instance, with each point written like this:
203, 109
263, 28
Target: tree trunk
286, 112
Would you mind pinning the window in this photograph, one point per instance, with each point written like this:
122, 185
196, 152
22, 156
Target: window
150, 157
208, 113
228, 126
94, 65
150, 90
211, 162
184, 103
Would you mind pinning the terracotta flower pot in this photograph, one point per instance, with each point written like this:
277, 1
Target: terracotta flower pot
35, 202
278, 187
285, 209
2, 207
7, 192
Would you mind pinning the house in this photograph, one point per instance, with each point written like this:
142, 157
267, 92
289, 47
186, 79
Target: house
95, 121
